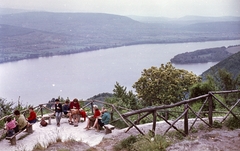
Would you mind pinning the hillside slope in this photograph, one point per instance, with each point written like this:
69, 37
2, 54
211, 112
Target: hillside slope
230, 64
205, 55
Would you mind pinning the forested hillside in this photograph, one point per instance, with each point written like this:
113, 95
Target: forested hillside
230, 64
205, 55
37, 34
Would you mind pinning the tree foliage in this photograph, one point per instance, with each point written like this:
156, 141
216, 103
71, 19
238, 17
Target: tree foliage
202, 88
123, 98
6, 108
164, 85
225, 80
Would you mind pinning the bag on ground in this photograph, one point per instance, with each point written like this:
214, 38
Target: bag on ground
43, 123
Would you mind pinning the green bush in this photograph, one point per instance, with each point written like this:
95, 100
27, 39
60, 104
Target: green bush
143, 143
217, 124
148, 143
175, 135
232, 123
126, 143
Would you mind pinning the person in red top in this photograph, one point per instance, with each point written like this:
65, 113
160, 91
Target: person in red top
83, 114
92, 119
74, 112
74, 104
32, 116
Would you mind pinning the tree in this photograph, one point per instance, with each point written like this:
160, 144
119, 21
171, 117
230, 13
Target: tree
6, 108
164, 85
123, 98
202, 88
226, 81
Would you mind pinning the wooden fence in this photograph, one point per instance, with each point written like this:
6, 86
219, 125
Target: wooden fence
209, 100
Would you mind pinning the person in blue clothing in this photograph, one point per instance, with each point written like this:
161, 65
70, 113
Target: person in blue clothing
104, 119
66, 108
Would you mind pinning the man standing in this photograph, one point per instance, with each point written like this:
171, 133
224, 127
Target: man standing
58, 111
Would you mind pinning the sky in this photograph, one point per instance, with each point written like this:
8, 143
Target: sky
154, 8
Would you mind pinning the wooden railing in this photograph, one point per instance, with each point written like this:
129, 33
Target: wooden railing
209, 98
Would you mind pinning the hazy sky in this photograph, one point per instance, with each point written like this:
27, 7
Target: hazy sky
156, 8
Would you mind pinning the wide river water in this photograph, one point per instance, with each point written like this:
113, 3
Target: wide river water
84, 75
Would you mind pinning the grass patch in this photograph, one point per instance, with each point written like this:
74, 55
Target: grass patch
148, 143
143, 143
126, 143
232, 123
194, 130
175, 135
217, 124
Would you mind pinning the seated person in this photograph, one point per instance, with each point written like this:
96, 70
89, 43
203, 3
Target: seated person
11, 127
104, 120
21, 120
32, 116
66, 108
74, 112
93, 118
83, 114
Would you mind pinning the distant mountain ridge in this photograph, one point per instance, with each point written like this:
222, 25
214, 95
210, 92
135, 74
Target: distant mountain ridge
185, 20
39, 34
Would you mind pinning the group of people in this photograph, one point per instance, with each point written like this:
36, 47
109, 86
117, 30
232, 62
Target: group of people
70, 109
19, 122
98, 119
73, 111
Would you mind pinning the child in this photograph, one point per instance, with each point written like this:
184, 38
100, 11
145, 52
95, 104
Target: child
83, 114
32, 116
11, 127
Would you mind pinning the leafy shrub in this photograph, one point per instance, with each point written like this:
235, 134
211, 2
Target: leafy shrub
126, 143
194, 130
143, 143
233, 123
175, 135
217, 124
148, 143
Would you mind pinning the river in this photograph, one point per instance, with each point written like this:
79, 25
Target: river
84, 75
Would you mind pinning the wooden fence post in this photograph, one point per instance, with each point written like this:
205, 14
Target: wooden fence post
41, 110
210, 109
166, 114
186, 119
92, 106
154, 121
112, 113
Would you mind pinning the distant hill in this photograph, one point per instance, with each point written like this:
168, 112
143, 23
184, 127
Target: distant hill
205, 55
230, 64
26, 35
4, 11
186, 20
